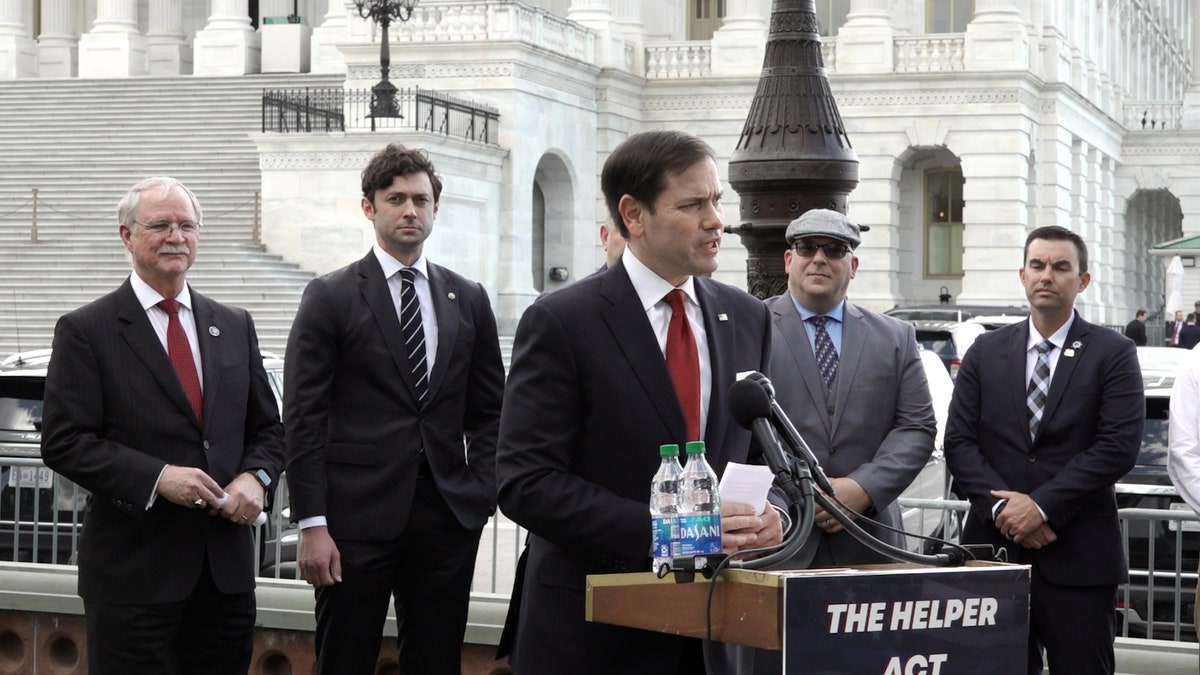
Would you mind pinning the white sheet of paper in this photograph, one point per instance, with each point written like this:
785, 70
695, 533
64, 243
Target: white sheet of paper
747, 484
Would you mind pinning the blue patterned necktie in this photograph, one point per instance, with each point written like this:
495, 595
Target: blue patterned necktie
827, 357
1039, 386
414, 333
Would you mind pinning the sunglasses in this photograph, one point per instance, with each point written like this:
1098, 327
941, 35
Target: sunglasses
832, 251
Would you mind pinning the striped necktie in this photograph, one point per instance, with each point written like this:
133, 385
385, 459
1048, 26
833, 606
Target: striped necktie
827, 356
414, 332
1039, 386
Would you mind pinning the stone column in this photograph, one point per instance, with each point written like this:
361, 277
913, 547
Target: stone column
114, 47
18, 51
325, 57
628, 14
228, 45
285, 46
865, 44
996, 38
169, 51
58, 45
1191, 98
739, 45
598, 15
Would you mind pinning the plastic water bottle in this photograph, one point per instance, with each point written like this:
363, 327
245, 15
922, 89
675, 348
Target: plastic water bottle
700, 508
664, 508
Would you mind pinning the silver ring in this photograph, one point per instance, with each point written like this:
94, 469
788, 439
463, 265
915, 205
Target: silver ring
244, 517
199, 503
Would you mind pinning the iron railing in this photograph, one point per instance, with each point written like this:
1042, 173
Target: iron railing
326, 109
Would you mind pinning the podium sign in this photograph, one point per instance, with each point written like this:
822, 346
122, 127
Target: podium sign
896, 620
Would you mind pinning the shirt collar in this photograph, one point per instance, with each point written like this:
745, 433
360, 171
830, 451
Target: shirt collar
148, 297
1059, 338
390, 265
650, 287
837, 313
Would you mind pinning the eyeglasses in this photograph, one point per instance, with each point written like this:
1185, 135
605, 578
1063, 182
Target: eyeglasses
832, 251
164, 227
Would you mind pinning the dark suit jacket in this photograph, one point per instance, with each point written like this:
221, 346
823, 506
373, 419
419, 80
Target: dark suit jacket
1136, 330
115, 415
1089, 438
354, 427
588, 402
881, 428
1189, 336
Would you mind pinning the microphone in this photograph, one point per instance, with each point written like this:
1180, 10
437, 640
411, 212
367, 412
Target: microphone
751, 409
792, 437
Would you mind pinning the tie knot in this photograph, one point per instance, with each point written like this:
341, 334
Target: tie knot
818, 320
408, 275
1045, 347
170, 306
675, 300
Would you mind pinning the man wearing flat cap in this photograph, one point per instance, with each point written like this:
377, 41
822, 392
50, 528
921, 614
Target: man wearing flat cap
852, 382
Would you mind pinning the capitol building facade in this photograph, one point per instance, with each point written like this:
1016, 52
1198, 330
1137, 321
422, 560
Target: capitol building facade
973, 121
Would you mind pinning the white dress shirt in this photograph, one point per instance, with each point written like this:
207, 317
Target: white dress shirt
651, 290
1183, 458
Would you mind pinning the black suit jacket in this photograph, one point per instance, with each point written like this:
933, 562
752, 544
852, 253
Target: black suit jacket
588, 402
1136, 330
1089, 438
354, 426
115, 415
1189, 336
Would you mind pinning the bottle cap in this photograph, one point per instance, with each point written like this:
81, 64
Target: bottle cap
668, 450
695, 447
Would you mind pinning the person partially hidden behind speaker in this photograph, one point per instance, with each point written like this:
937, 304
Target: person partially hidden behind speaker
157, 402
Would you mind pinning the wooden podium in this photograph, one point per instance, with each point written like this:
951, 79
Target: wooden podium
886, 618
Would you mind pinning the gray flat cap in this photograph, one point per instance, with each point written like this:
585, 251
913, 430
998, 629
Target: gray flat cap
825, 223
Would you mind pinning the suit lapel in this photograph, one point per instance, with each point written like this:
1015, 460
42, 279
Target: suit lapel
1066, 365
208, 335
378, 297
446, 297
627, 322
791, 329
1012, 363
719, 330
142, 340
853, 341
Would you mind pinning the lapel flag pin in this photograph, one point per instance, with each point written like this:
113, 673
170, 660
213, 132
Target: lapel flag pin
722, 317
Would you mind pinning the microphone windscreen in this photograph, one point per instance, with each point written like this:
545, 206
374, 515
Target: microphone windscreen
748, 402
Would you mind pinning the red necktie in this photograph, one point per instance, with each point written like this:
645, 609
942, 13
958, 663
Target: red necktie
180, 352
683, 360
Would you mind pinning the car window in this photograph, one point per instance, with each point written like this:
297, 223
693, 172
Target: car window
937, 341
21, 404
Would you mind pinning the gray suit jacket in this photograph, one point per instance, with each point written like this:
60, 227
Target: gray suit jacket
877, 425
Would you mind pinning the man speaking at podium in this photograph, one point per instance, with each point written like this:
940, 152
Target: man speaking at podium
590, 397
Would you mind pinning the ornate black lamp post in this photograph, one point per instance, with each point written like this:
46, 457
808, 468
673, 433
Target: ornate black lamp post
384, 12
793, 154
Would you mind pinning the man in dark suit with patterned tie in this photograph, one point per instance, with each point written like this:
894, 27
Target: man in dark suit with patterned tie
157, 402
1047, 415
392, 404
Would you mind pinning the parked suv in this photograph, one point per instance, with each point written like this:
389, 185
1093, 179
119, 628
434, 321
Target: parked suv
41, 512
1170, 548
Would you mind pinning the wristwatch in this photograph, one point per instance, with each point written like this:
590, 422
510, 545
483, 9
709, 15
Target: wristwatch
262, 477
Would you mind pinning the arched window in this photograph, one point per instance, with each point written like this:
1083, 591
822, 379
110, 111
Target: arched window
948, 16
943, 223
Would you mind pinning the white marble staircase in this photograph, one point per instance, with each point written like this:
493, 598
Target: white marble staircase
82, 143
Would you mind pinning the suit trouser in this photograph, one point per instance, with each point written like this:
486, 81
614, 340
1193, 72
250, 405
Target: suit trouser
428, 570
1076, 625
209, 633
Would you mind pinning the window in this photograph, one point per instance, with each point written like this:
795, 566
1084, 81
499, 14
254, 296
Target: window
704, 18
831, 15
943, 223
948, 16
